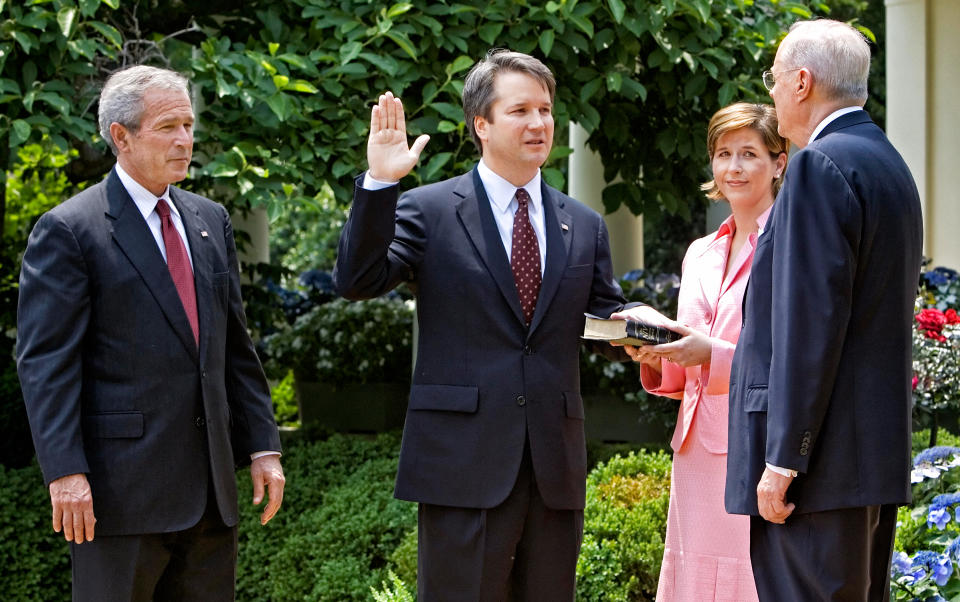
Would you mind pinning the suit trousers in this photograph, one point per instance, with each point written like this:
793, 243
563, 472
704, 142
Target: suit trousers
194, 565
831, 555
518, 551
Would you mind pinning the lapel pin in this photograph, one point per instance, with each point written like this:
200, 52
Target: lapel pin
203, 233
564, 226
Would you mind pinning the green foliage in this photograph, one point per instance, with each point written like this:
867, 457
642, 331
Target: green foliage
35, 560
395, 591
625, 523
284, 397
48, 56
337, 528
285, 91
343, 342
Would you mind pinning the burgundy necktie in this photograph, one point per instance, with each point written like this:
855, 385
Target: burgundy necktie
525, 257
179, 265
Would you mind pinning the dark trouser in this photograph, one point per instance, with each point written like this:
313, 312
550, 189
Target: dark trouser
195, 565
520, 550
831, 555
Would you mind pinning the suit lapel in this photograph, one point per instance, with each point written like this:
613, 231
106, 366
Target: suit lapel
134, 238
844, 121
199, 241
481, 227
558, 228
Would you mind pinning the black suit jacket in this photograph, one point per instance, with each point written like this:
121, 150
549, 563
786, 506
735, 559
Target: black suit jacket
483, 382
821, 375
114, 384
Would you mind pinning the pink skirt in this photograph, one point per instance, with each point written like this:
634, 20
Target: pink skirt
707, 553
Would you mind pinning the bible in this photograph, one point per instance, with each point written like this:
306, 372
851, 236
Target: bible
627, 332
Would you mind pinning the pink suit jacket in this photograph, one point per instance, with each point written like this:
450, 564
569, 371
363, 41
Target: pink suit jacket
711, 303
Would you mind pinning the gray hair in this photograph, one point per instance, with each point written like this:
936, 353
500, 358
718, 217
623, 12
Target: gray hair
121, 100
835, 53
478, 88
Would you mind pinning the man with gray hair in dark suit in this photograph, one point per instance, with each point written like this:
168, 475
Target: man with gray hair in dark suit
141, 382
820, 404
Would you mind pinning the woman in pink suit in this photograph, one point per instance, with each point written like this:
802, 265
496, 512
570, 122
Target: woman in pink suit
707, 553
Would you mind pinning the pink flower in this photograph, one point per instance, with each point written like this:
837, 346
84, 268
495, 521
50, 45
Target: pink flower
951, 316
915, 381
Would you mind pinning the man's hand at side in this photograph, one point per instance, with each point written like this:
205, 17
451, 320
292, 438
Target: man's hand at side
267, 473
772, 496
72, 503
388, 156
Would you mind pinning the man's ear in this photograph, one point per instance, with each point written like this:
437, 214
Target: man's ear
804, 84
121, 136
480, 127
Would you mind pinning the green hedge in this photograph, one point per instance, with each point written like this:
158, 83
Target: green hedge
340, 532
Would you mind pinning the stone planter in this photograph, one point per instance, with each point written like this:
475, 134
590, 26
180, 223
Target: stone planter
613, 420
353, 408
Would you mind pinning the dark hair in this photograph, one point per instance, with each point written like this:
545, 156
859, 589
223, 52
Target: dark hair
478, 88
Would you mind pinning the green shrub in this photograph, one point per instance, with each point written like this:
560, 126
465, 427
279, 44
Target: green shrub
625, 524
284, 397
395, 591
338, 526
347, 342
35, 560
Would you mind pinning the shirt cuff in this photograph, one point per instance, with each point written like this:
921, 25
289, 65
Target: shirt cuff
261, 454
782, 471
371, 183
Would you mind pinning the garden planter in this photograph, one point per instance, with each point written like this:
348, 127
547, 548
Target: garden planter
353, 408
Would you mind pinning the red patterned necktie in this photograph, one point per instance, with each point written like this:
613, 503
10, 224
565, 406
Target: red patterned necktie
525, 257
179, 265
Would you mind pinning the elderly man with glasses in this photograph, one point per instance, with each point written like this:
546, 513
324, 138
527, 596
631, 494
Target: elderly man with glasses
820, 388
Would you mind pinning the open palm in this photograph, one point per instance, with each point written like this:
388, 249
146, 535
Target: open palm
388, 156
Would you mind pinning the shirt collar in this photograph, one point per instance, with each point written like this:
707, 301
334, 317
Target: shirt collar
145, 200
729, 226
501, 192
831, 117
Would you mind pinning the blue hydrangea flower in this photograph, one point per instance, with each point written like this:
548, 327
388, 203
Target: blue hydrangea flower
935, 278
945, 500
939, 517
932, 454
901, 563
953, 550
942, 570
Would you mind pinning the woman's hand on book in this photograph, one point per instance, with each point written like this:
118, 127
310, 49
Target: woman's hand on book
694, 349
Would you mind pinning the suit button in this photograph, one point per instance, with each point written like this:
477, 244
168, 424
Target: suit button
200, 422
521, 400
708, 317
203, 374
527, 350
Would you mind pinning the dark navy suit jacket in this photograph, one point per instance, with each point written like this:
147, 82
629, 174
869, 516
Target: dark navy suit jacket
821, 375
114, 384
483, 382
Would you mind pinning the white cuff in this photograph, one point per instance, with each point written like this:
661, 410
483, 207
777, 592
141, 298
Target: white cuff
371, 183
782, 471
261, 454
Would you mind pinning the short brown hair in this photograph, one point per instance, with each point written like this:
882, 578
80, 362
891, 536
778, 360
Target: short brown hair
759, 117
478, 94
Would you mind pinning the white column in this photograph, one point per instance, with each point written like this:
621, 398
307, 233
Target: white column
586, 184
907, 103
256, 224
942, 222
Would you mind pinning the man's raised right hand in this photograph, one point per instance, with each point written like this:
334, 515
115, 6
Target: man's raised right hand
388, 157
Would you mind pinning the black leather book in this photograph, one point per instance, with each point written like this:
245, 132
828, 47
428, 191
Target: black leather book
627, 332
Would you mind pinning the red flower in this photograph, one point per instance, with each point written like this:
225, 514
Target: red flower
915, 381
931, 320
951, 316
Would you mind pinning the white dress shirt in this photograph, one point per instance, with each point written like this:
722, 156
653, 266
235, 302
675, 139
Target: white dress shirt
146, 203
503, 203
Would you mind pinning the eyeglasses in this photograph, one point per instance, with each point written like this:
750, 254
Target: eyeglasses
769, 80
